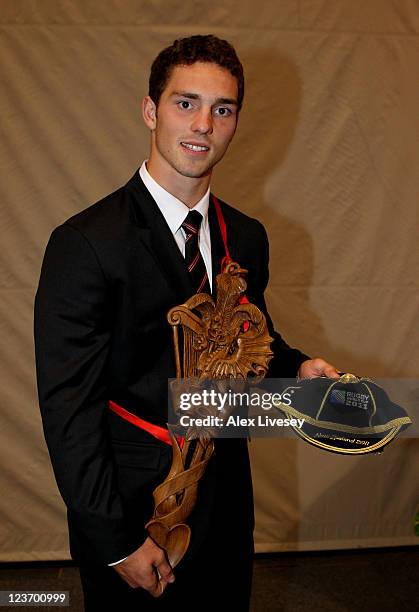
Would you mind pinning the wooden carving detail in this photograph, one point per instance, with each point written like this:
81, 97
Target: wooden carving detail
224, 339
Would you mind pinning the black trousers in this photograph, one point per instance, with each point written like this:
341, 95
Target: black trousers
216, 578
216, 574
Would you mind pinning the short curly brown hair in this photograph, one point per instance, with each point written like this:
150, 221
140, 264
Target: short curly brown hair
187, 51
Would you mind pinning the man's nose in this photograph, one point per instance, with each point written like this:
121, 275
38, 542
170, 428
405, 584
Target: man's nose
203, 122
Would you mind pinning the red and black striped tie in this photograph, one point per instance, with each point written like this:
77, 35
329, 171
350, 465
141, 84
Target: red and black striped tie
193, 257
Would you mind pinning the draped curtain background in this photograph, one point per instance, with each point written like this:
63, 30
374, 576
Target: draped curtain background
326, 156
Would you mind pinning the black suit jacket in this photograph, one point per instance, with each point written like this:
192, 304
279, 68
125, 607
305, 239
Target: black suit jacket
109, 276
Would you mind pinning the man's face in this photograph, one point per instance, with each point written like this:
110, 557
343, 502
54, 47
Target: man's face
194, 122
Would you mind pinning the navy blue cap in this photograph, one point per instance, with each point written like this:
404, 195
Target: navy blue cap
349, 415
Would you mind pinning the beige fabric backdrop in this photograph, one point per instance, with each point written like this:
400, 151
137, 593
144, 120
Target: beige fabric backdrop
326, 155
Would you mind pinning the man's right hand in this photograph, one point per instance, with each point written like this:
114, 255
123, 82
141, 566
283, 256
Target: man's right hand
148, 568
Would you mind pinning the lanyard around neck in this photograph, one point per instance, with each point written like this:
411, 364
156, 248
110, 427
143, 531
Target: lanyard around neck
227, 258
223, 229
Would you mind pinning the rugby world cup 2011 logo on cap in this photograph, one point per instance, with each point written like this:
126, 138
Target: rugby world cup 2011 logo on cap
338, 396
351, 399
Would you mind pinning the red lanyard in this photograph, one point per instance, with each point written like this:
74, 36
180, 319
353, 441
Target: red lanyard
223, 229
226, 259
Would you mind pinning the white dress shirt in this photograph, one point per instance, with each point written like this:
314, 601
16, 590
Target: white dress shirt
175, 212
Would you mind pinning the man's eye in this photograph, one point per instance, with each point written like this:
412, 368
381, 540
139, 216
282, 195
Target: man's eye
184, 104
223, 111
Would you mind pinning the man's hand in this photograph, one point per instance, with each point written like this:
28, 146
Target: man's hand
147, 567
313, 368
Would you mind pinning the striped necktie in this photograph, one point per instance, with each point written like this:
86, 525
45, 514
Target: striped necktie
193, 257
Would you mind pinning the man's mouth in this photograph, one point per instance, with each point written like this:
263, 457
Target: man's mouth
194, 147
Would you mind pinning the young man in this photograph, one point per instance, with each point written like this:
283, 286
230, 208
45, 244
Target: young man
109, 277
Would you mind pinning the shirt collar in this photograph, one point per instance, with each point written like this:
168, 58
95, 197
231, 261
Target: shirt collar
173, 210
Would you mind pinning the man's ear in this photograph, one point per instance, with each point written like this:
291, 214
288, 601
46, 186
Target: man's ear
149, 113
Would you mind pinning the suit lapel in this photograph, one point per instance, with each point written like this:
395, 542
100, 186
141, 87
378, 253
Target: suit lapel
155, 234
217, 245
157, 237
